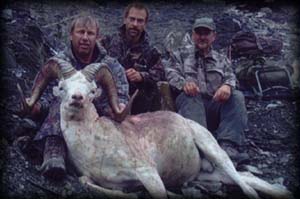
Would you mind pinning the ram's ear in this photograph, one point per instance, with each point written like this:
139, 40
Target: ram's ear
98, 92
56, 91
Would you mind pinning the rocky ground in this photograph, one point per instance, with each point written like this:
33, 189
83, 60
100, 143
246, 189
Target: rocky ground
32, 32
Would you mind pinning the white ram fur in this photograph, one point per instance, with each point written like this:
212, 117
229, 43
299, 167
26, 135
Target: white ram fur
156, 150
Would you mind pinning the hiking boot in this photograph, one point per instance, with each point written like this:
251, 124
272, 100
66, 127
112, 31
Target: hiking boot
53, 166
236, 156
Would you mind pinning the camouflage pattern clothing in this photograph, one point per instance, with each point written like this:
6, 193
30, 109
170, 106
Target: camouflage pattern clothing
143, 58
209, 72
226, 120
51, 125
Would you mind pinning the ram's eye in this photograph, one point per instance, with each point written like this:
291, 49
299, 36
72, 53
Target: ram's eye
93, 91
61, 88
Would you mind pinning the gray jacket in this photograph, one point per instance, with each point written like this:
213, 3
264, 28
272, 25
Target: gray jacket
209, 73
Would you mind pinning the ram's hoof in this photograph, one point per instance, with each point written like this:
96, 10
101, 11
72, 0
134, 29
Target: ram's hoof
54, 168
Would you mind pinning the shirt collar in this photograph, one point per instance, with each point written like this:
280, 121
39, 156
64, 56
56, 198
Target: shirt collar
210, 55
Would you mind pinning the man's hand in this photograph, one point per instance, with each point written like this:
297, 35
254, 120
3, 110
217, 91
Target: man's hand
28, 109
26, 103
25, 109
191, 88
223, 93
133, 75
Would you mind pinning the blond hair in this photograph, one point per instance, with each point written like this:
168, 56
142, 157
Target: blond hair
85, 20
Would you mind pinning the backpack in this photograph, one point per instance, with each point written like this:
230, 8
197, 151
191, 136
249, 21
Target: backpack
263, 79
246, 43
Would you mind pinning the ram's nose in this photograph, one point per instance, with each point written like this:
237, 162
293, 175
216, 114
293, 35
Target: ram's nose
77, 97
77, 100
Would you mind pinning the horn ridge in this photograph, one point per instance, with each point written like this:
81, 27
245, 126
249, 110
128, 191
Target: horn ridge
67, 70
100, 72
91, 70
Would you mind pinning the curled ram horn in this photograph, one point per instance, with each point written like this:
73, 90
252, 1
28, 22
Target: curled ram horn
122, 115
101, 73
91, 70
66, 69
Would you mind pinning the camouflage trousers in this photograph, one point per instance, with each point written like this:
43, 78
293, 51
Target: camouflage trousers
227, 121
51, 125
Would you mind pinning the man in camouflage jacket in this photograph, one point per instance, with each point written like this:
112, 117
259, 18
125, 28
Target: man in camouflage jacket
206, 83
141, 61
84, 50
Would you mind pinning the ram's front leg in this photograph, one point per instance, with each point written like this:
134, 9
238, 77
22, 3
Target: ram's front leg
87, 182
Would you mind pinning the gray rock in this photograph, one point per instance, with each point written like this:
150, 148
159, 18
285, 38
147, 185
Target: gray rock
253, 169
7, 14
192, 192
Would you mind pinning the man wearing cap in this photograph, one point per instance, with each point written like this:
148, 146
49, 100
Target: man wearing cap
206, 85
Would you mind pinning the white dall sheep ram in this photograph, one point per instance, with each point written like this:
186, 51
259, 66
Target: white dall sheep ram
155, 150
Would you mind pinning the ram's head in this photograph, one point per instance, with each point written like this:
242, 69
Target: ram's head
78, 88
77, 91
